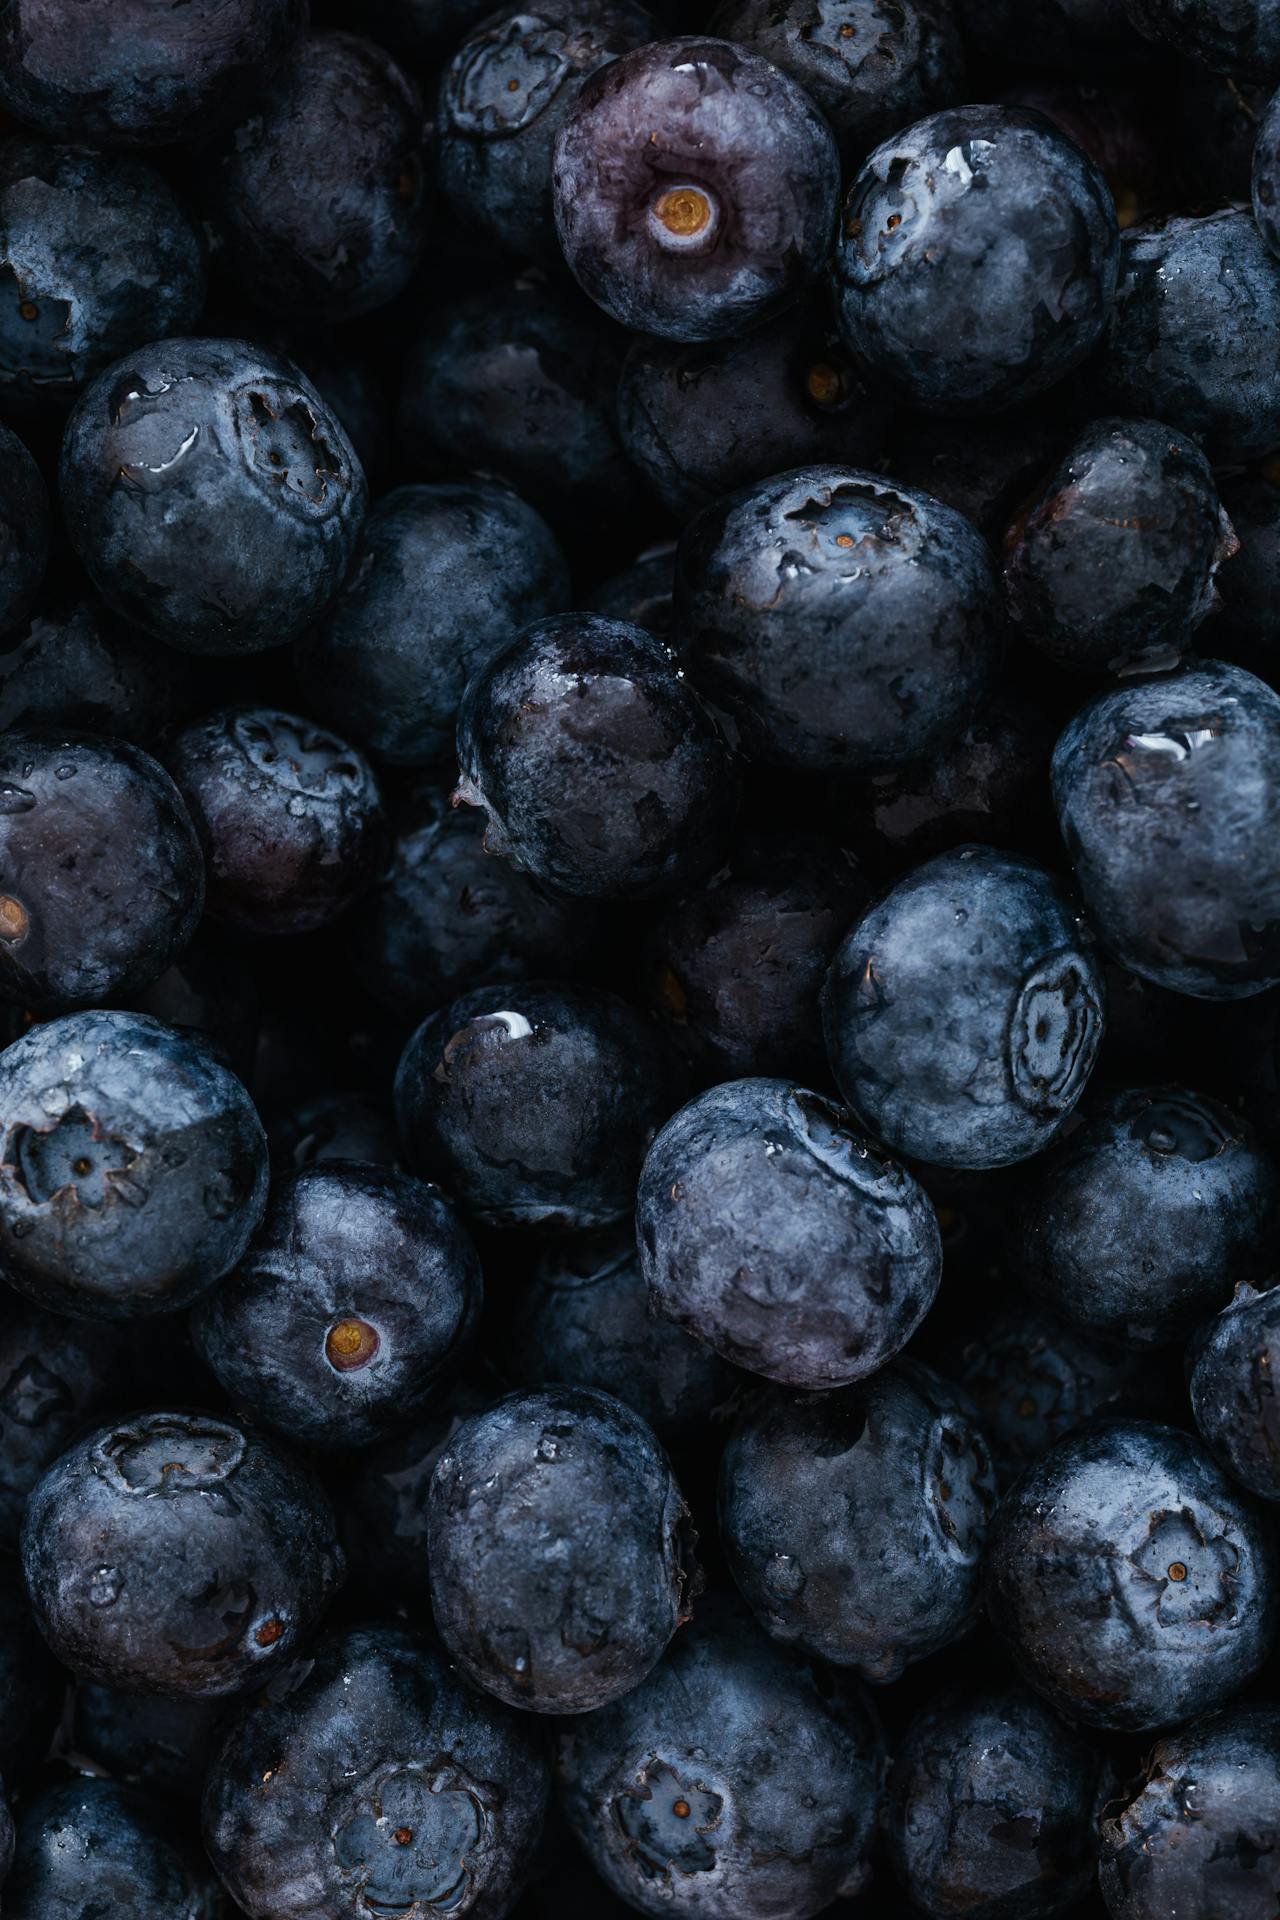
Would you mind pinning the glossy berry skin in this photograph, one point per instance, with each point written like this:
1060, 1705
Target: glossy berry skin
85, 1843
177, 1554
1230, 1364
189, 433
24, 530
322, 193
1141, 1221
1168, 798
289, 816
992, 1807
558, 1549
73, 665
695, 188
964, 1012
159, 1746
101, 876
1113, 566
934, 295
776, 1234
358, 1292
1134, 1585
853, 1521
96, 257
1199, 1833
534, 1103
842, 622
683, 1807
126, 73
600, 770
368, 1740
1243, 40
443, 577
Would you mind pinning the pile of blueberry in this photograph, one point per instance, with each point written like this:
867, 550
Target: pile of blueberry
639, 959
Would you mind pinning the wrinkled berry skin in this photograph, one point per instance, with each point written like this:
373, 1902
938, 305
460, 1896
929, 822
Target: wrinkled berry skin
695, 189
1231, 1364
443, 577
289, 817
790, 1245
842, 622
1200, 1833
1193, 337
160, 1746
1133, 1583
582, 1320
1142, 1220
177, 1554
126, 73
1242, 39
101, 879
936, 294
357, 1293
187, 434
74, 665
370, 1738
24, 530
992, 1806
1168, 798
1266, 173
1112, 567
558, 1549
534, 1103
601, 772
323, 193
87, 1845
890, 1477
96, 257
964, 1012
685, 1806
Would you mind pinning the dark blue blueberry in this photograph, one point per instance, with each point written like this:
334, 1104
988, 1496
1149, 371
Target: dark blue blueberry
736, 1783
1200, 1833
964, 1012
360, 1289
842, 622
1194, 337
96, 258
366, 1779
159, 1746
443, 577
178, 1554
1242, 38
1141, 1221
641, 593
1168, 797
74, 664
977, 260
992, 1810
1112, 565
534, 1103
1123, 129
187, 436
24, 530
333, 1126
101, 879
1232, 1363
792, 1246
600, 770
31, 1684
854, 1521
289, 817
983, 467
695, 189
89, 1846
1132, 1583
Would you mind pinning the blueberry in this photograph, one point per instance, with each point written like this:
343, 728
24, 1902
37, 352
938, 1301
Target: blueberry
977, 260
186, 435
890, 1478
964, 1012
843, 623
1249, 589
1112, 566
1243, 39
1132, 1583
75, 665
737, 1782
534, 1103
101, 880
793, 1247
177, 1554
984, 467
88, 1844
289, 816
992, 1809
24, 531
1168, 797
601, 772
1123, 131
443, 577
695, 188
366, 1779
161, 1747
1230, 1365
